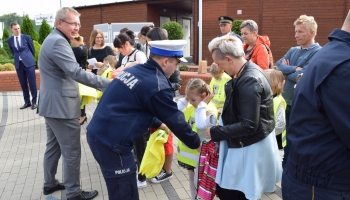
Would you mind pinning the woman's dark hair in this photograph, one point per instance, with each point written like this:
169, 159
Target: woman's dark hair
122, 38
156, 34
145, 30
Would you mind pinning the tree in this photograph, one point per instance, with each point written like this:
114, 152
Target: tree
174, 29
37, 48
44, 31
28, 28
6, 35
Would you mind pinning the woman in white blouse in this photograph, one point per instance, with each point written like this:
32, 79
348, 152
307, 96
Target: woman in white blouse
125, 44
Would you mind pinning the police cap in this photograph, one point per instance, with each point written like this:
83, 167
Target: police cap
169, 48
225, 20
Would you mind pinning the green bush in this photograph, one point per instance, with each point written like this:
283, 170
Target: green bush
37, 47
4, 61
6, 35
236, 26
9, 67
174, 29
44, 31
183, 68
3, 54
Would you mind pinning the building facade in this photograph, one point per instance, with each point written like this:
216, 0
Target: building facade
274, 17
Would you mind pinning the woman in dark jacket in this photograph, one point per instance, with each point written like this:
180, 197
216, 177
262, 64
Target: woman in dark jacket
249, 162
80, 52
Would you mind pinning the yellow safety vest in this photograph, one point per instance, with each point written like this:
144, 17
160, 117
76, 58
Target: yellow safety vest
218, 88
185, 154
278, 100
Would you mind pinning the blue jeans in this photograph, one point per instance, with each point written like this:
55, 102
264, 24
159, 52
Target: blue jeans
118, 169
293, 189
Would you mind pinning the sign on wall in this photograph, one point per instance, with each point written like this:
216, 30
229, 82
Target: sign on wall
50, 19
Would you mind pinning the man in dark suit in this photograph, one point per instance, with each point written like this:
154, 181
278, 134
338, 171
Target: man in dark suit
225, 23
22, 49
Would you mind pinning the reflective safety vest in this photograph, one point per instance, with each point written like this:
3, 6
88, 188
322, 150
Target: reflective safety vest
185, 154
278, 100
218, 87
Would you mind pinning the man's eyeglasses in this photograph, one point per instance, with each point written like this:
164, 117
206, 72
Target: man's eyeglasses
74, 24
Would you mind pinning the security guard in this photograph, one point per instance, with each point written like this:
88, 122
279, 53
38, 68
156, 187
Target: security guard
225, 23
138, 98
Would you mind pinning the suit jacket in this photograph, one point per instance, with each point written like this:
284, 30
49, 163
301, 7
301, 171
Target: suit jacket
26, 51
59, 71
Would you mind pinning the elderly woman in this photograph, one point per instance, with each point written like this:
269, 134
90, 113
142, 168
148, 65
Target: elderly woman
256, 47
248, 158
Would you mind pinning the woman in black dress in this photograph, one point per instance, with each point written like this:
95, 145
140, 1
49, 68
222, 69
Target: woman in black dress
80, 52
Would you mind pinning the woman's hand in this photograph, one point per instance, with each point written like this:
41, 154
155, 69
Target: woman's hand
207, 133
208, 98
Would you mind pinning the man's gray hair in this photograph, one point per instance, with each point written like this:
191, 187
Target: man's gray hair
250, 24
62, 13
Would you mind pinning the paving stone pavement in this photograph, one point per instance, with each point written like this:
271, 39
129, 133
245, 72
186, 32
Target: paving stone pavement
22, 147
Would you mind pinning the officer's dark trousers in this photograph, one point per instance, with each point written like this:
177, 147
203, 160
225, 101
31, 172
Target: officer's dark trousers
292, 189
289, 143
118, 169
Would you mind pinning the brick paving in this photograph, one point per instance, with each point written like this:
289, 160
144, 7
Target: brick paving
22, 147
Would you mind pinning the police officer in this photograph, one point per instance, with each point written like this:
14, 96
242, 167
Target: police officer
138, 98
225, 23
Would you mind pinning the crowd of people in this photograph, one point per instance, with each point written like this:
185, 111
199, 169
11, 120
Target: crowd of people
251, 109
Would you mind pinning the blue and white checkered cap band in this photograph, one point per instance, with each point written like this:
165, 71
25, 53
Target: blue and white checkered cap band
167, 53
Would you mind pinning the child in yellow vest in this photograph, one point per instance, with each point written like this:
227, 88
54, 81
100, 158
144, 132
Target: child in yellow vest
217, 84
196, 107
276, 79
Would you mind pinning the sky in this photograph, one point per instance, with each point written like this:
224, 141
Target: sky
37, 7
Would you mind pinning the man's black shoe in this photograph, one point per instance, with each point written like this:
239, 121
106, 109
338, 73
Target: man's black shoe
34, 106
85, 195
48, 190
26, 105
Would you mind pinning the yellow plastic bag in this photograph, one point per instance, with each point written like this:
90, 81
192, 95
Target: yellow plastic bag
154, 157
106, 74
86, 94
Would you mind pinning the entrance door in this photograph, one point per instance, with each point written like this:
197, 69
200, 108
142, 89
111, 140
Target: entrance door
186, 27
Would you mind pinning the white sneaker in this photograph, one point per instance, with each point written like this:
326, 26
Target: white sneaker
162, 176
141, 184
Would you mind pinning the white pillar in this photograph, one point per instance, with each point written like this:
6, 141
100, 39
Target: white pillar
200, 3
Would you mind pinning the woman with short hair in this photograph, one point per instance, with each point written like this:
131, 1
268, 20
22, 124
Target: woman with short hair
256, 47
249, 162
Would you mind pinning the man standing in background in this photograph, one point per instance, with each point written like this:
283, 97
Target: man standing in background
22, 49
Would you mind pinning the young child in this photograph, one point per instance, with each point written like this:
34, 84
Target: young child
217, 84
199, 95
108, 61
277, 83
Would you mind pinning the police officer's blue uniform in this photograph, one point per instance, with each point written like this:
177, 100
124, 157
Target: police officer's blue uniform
133, 102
